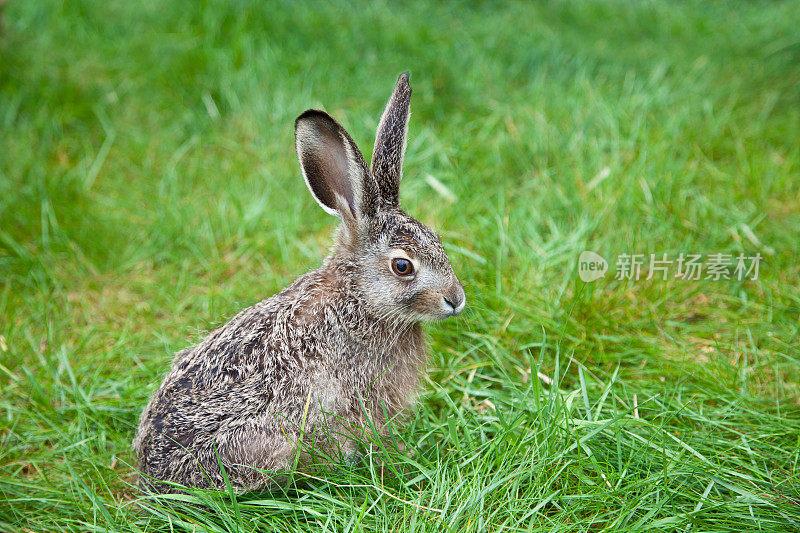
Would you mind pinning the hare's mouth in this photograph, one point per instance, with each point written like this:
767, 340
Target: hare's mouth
454, 299
433, 304
453, 308
449, 306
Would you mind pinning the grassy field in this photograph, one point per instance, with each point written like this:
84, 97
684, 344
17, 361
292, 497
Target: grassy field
149, 190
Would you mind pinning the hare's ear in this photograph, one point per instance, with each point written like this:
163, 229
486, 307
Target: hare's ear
390, 143
333, 167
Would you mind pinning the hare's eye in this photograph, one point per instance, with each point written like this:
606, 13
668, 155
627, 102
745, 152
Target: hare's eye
402, 267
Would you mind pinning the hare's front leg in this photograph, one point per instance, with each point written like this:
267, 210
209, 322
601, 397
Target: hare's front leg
251, 450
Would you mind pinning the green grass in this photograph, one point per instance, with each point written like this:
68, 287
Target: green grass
149, 190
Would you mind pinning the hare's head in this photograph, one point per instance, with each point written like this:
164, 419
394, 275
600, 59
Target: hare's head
398, 263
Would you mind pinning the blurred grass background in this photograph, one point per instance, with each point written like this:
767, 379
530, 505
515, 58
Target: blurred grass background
149, 190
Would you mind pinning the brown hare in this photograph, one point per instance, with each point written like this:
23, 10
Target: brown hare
311, 364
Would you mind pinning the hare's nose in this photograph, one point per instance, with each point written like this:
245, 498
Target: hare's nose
455, 299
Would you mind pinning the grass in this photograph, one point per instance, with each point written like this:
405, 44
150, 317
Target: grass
149, 190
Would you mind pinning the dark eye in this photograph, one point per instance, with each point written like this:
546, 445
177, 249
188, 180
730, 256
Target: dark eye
402, 267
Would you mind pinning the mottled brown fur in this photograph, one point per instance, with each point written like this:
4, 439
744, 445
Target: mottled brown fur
300, 365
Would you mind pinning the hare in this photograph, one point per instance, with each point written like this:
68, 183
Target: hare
337, 352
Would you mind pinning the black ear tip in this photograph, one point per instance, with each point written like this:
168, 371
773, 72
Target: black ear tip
315, 118
403, 80
309, 113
